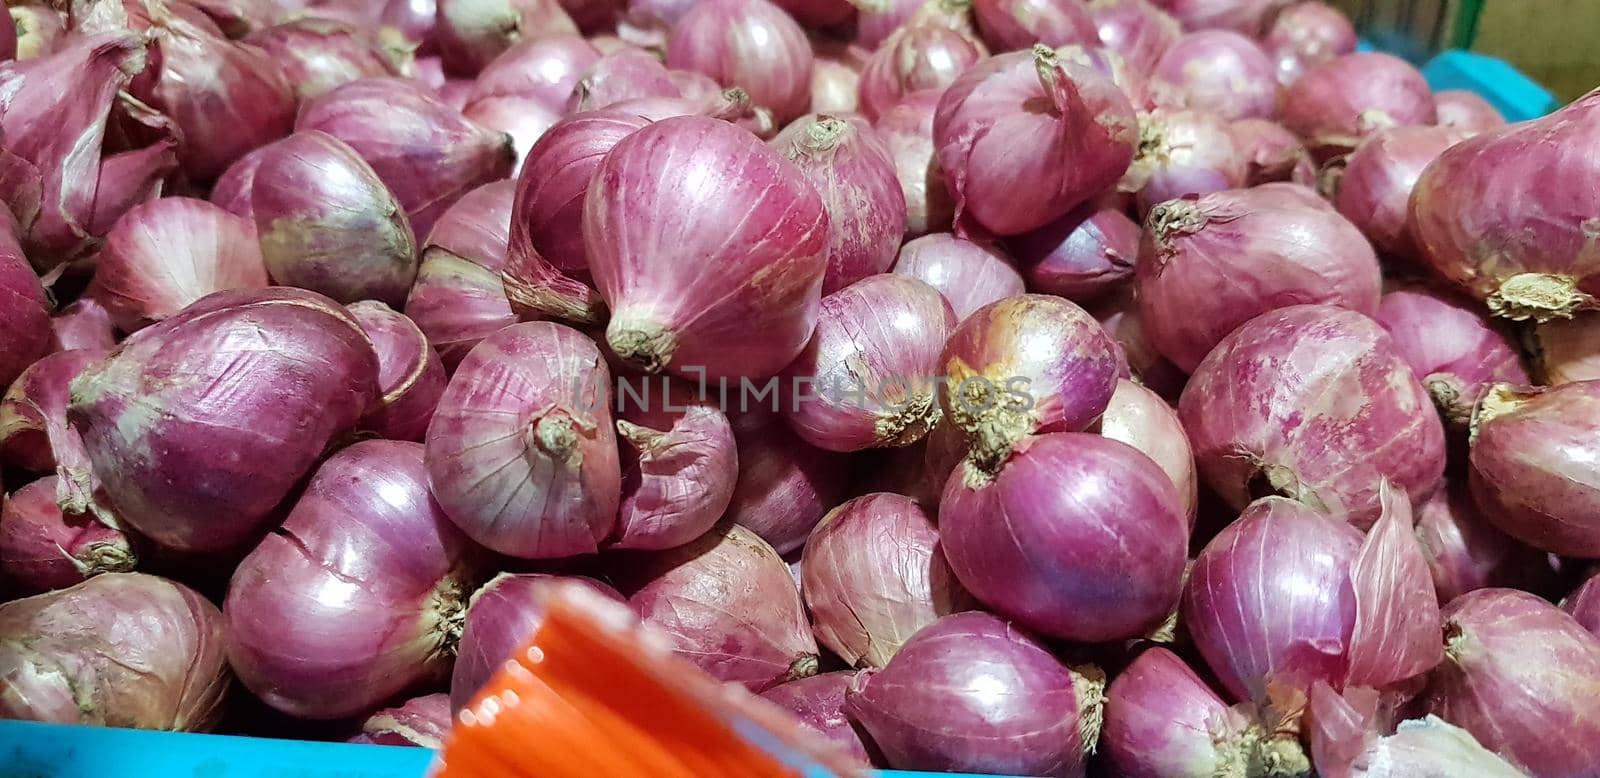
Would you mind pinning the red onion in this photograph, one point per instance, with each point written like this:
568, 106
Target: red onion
751, 44
1514, 236
83, 324
1466, 553
921, 56
24, 308
679, 468
1119, 316
972, 693
421, 721
318, 55
1243, 16
193, 480
358, 597
785, 484
995, 143
545, 69
410, 375
458, 299
1008, 25
118, 650
1093, 539
1465, 110
1080, 256
1212, 264
1184, 153
231, 192
626, 75
413, 21
521, 118
1375, 186
38, 28
1567, 350
471, 33
42, 548
454, 93
877, 20
327, 222
502, 617
1272, 153
1336, 104
835, 84
647, 22
1532, 465
1162, 720
729, 605
907, 131
851, 169
1261, 424
1137, 30
1584, 604
427, 153
1307, 34
969, 275
1140, 418
1520, 676
873, 575
33, 425
1453, 349
817, 704
689, 193
1218, 71
164, 254
521, 450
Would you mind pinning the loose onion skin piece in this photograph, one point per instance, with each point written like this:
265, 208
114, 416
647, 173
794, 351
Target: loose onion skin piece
974, 693
410, 376
1235, 80
42, 549
785, 484
34, 433
968, 275
907, 130
680, 466
1081, 256
1257, 426
421, 721
1139, 417
1336, 104
1467, 111
817, 703
1431, 746
118, 650
1466, 553
1374, 189
1009, 25
1533, 472
1162, 720
38, 28
751, 44
1453, 349
1520, 675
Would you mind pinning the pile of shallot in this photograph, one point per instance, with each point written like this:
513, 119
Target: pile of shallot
1148, 388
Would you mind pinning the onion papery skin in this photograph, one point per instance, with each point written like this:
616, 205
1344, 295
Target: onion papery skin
1138, 30
167, 253
1217, 71
993, 146
751, 214
785, 484
853, 173
750, 44
1374, 189
865, 379
422, 722
84, 324
1210, 264
1009, 25
319, 54
625, 75
1080, 256
1452, 348
921, 56
410, 376
367, 528
728, 603
974, 693
118, 650
521, 450
1025, 365
1584, 604
680, 465
969, 275
545, 69
907, 130
471, 33
1256, 423
1272, 153
178, 420
42, 549
1466, 110
1430, 746
872, 575
1242, 16
24, 308
1466, 553
1519, 240
34, 433
1336, 104
1519, 675
1162, 720
1307, 34
426, 152
326, 222
1139, 417
1533, 472
503, 616
817, 703
1184, 153
458, 298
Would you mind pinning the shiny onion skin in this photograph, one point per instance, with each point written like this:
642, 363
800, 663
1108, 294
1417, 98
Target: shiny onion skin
502, 616
164, 254
1306, 34
1183, 153
521, 451
907, 131
750, 44
1336, 104
872, 575
1138, 30
1258, 427
1208, 265
1217, 71
1080, 256
1272, 153
1025, 137
1489, 191
42, 548
690, 193
84, 324
920, 56
545, 69
1162, 720
1466, 553
231, 192
471, 33
1025, 365
835, 85
1567, 350
326, 222
864, 379
1533, 470
1451, 346
458, 298
817, 703
625, 75
729, 605
420, 721
34, 433
680, 465
969, 275
427, 153
1466, 110
410, 376
1139, 417
1584, 604
118, 650
413, 21
1374, 187
853, 173
785, 484
319, 54
1520, 676
1242, 16
974, 693
24, 308
359, 596
1009, 25
179, 419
